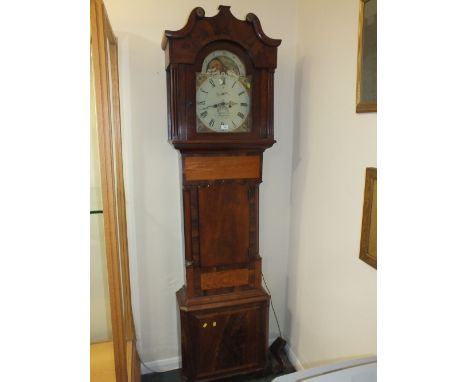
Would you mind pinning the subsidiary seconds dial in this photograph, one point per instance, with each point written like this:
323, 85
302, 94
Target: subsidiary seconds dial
223, 103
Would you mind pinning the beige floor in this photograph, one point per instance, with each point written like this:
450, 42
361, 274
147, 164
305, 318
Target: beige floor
102, 362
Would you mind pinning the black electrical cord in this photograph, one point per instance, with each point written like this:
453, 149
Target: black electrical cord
272, 306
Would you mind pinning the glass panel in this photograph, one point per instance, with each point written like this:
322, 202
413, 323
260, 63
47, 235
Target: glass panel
369, 52
101, 329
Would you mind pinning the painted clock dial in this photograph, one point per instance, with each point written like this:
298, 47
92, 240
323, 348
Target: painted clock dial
223, 95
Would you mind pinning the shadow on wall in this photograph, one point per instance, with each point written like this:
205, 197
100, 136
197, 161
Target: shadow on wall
296, 154
297, 197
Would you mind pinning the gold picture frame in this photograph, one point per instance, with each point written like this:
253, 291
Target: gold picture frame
368, 250
366, 84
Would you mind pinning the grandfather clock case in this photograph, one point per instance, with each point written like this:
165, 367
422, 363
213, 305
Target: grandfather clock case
220, 74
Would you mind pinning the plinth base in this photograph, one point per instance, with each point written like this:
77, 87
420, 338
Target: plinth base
223, 335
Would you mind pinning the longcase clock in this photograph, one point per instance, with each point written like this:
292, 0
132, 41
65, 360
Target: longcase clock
220, 74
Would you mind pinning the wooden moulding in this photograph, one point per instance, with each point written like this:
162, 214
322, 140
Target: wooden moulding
368, 248
106, 88
199, 168
187, 303
223, 279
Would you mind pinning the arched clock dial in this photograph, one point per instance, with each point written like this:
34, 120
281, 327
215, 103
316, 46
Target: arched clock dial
223, 103
220, 61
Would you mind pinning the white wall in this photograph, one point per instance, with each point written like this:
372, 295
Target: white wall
331, 303
151, 165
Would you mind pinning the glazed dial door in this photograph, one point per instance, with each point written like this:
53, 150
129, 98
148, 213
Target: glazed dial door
223, 95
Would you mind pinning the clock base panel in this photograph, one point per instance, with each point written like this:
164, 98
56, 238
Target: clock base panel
223, 335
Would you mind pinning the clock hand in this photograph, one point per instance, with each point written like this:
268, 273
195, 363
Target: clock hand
215, 105
206, 107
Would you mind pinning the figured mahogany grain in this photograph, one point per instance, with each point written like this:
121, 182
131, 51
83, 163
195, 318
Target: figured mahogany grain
221, 167
224, 224
223, 341
223, 279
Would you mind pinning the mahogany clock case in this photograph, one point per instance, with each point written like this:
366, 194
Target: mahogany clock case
185, 51
221, 203
224, 337
223, 307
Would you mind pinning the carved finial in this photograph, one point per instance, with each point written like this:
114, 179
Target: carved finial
197, 13
250, 17
253, 19
225, 14
200, 12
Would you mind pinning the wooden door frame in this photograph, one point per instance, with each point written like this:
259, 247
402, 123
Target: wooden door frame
115, 225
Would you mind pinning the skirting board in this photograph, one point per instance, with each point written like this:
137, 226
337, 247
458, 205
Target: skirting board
293, 358
161, 365
173, 363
